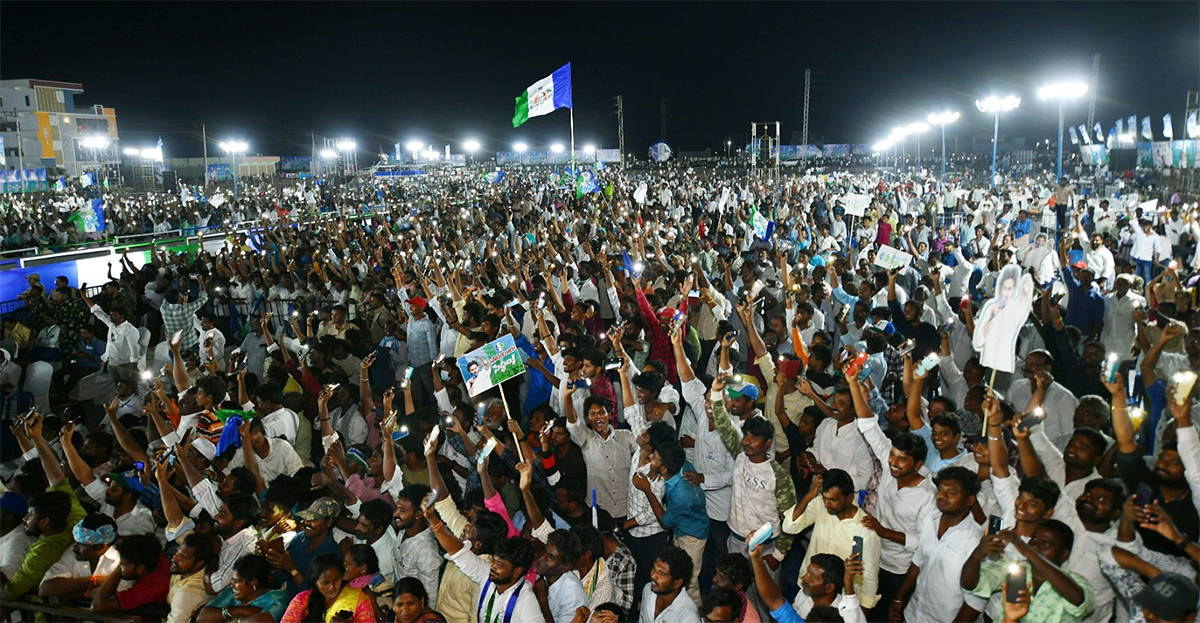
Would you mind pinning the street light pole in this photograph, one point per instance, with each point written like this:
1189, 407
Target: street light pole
996, 105
943, 119
1061, 92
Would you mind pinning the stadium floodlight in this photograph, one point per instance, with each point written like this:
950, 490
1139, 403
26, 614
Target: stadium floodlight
1062, 91
943, 119
233, 148
520, 147
131, 151
556, 148
471, 145
151, 153
328, 154
997, 105
346, 144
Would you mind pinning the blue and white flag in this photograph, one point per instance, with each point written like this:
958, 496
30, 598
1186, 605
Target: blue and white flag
60, 186
86, 180
1191, 125
1167, 130
1098, 133
493, 177
1074, 136
91, 218
1132, 125
544, 96
1120, 128
763, 228
1083, 133
1147, 133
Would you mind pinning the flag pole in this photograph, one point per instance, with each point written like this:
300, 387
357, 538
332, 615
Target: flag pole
572, 138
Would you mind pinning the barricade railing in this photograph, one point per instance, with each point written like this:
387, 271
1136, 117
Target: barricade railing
31, 611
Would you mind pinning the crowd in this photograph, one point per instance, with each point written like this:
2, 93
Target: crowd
742, 400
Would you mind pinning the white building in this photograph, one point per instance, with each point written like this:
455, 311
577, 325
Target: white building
42, 128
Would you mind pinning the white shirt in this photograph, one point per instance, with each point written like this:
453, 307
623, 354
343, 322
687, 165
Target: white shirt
844, 448
681, 610
607, 463
1119, 330
710, 457
1059, 405
901, 509
67, 566
137, 521
566, 596
123, 339
282, 422
526, 608
937, 595
846, 606
13, 547
281, 460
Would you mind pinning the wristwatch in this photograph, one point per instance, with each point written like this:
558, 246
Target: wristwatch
225, 614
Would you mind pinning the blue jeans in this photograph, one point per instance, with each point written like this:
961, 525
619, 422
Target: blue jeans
1145, 270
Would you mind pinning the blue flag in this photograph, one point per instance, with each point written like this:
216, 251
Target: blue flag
628, 263
86, 180
98, 209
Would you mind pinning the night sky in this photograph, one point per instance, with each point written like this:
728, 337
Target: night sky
272, 72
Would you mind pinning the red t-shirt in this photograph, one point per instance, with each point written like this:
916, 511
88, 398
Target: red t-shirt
151, 589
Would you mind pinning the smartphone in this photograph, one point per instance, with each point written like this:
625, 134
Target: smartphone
947, 326
1032, 419
408, 372
858, 547
906, 348
139, 466
512, 303
694, 294
1144, 495
433, 496
612, 363
995, 524
1015, 584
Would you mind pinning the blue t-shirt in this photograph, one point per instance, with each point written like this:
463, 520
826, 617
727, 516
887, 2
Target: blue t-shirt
786, 614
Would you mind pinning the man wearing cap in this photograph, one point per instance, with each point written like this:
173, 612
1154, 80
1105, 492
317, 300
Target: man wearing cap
90, 560
117, 495
422, 347
314, 540
1085, 305
14, 542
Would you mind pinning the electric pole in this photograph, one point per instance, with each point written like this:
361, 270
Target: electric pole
204, 139
621, 128
1092, 100
807, 83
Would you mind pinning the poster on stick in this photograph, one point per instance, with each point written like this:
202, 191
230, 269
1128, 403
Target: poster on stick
491, 364
888, 258
1001, 319
856, 205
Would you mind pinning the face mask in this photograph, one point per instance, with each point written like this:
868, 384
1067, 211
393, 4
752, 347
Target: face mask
445, 374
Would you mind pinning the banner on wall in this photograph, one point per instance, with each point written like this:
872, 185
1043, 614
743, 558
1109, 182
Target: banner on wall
24, 181
1184, 154
1094, 155
220, 173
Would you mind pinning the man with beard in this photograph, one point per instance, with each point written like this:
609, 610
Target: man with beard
185, 591
49, 520
945, 540
143, 564
904, 497
374, 528
1038, 388
416, 551
91, 556
1092, 518
235, 524
663, 598
1166, 481
559, 591
504, 595
607, 452
1071, 468
829, 507
116, 494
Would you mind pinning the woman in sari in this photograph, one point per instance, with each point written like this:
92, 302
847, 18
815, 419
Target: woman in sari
332, 599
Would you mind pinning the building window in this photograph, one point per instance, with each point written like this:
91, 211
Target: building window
26, 100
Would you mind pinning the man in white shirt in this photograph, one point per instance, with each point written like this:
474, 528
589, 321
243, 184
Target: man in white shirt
903, 502
121, 353
91, 555
504, 594
273, 457
946, 540
664, 599
1120, 330
838, 443
559, 591
1057, 401
277, 420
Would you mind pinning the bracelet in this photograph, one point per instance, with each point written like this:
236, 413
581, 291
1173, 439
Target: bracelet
322, 419
990, 438
439, 526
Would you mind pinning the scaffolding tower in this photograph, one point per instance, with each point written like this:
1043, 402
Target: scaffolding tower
764, 147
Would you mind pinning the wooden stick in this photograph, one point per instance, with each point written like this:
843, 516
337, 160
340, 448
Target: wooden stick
508, 416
